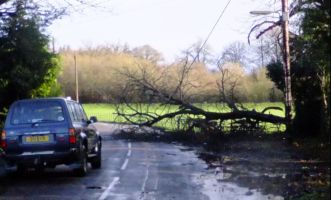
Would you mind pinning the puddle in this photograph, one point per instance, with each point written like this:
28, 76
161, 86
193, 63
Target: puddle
216, 190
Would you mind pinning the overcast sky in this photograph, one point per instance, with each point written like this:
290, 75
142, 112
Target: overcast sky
169, 26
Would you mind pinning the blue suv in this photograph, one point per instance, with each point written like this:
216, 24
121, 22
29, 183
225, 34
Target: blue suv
42, 133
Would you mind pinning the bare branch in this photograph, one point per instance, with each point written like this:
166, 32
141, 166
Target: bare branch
208, 116
142, 117
274, 24
271, 108
3, 1
149, 83
295, 8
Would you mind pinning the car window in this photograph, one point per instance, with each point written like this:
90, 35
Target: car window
80, 113
37, 111
83, 112
72, 112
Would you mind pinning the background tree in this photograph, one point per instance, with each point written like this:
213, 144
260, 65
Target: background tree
195, 83
235, 53
148, 53
310, 68
267, 48
196, 54
315, 53
27, 68
49, 10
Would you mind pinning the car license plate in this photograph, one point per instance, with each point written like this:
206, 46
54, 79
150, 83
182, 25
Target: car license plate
37, 139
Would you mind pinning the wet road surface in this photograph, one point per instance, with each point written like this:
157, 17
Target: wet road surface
130, 170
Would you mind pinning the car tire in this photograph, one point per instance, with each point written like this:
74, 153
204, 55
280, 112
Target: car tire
96, 161
82, 169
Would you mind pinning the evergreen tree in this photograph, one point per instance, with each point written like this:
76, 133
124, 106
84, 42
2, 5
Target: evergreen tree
310, 52
27, 68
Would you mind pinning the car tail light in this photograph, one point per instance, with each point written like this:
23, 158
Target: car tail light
72, 136
3, 143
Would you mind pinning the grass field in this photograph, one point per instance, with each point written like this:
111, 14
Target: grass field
107, 112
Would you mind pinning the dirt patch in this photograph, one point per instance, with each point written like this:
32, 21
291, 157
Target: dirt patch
272, 165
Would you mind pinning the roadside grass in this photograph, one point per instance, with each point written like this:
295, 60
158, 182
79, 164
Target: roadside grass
108, 113
104, 112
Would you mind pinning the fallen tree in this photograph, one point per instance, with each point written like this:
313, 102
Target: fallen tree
153, 87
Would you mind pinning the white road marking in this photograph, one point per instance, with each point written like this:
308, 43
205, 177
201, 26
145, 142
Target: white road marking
111, 185
129, 153
156, 181
125, 164
143, 187
106, 193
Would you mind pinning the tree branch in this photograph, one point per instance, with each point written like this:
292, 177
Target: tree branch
3, 2
274, 24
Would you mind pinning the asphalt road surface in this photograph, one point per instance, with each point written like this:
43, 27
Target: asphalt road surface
130, 170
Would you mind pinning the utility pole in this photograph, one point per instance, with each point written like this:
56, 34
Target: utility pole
286, 60
286, 64
76, 79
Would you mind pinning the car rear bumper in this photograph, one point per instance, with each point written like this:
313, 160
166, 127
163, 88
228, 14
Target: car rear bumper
42, 158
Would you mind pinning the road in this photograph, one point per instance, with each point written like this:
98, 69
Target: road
130, 170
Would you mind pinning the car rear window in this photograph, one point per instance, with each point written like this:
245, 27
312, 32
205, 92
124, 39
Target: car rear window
37, 112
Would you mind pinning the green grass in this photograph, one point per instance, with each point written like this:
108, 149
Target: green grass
104, 112
107, 112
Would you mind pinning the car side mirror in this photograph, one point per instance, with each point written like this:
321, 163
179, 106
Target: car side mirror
93, 119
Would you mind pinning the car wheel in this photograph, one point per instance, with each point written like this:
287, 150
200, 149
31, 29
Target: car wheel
82, 169
96, 162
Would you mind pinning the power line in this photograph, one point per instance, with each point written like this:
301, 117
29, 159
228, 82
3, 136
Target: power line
211, 31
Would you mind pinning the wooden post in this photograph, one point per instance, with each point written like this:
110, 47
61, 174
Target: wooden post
76, 79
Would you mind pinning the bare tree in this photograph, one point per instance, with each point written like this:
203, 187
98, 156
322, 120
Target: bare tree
268, 47
153, 86
227, 85
198, 54
148, 53
234, 53
49, 10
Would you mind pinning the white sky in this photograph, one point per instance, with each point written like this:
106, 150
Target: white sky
169, 26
